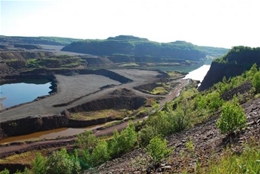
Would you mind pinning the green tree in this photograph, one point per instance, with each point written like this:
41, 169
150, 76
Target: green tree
5, 171
26, 171
86, 140
114, 145
256, 81
214, 100
232, 117
39, 164
100, 153
60, 162
128, 137
145, 135
157, 149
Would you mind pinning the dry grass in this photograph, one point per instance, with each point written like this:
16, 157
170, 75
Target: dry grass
101, 114
23, 158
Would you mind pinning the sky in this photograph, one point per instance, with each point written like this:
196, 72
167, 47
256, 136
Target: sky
219, 23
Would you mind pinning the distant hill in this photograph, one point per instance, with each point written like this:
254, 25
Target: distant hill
235, 62
129, 48
37, 40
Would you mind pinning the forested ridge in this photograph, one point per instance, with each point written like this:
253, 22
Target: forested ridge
141, 49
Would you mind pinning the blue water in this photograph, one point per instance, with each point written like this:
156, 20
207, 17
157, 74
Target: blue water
18, 93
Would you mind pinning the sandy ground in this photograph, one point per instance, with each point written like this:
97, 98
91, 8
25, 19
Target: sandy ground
85, 87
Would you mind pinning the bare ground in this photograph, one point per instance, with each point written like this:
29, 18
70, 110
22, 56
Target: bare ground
7, 150
77, 90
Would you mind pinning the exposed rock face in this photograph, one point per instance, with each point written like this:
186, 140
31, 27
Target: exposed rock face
26, 46
31, 124
237, 61
217, 71
7, 55
120, 102
98, 62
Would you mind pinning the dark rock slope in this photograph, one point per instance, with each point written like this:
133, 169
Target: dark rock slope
238, 60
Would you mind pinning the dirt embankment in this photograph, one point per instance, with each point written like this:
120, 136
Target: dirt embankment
35, 124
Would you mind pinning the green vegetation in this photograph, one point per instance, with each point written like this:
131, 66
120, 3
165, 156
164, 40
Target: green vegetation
232, 117
238, 60
157, 149
190, 108
134, 49
55, 62
256, 81
247, 162
92, 115
38, 40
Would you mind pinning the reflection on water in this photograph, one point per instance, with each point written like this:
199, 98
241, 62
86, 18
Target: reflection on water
18, 93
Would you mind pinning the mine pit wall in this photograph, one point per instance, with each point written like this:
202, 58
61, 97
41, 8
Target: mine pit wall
35, 124
31, 124
120, 102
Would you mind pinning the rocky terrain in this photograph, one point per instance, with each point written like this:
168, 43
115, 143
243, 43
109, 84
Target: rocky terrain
237, 61
208, 143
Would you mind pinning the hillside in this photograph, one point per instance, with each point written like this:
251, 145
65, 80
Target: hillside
129, 48
182, 136
36, 40
235, 62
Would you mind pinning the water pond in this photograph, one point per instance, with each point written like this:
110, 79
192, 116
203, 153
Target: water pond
22, 92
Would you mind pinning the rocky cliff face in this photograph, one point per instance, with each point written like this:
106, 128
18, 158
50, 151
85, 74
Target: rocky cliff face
216, 73
238, 60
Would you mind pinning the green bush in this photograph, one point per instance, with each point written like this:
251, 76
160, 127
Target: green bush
86, 140
157, 149
39, 164
59, 162
100, 153
256, 82
232, 117
5, 171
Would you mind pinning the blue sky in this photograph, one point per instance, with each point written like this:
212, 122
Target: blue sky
221, 23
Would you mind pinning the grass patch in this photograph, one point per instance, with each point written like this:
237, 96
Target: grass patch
159, 91
120, 114
129, 65
247, 162
23, 158
175, 74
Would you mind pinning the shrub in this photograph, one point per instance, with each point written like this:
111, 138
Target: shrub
39, 164
157, 149
232, 117
86, 140
256, 82
60, 162
5, 171
100, 153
